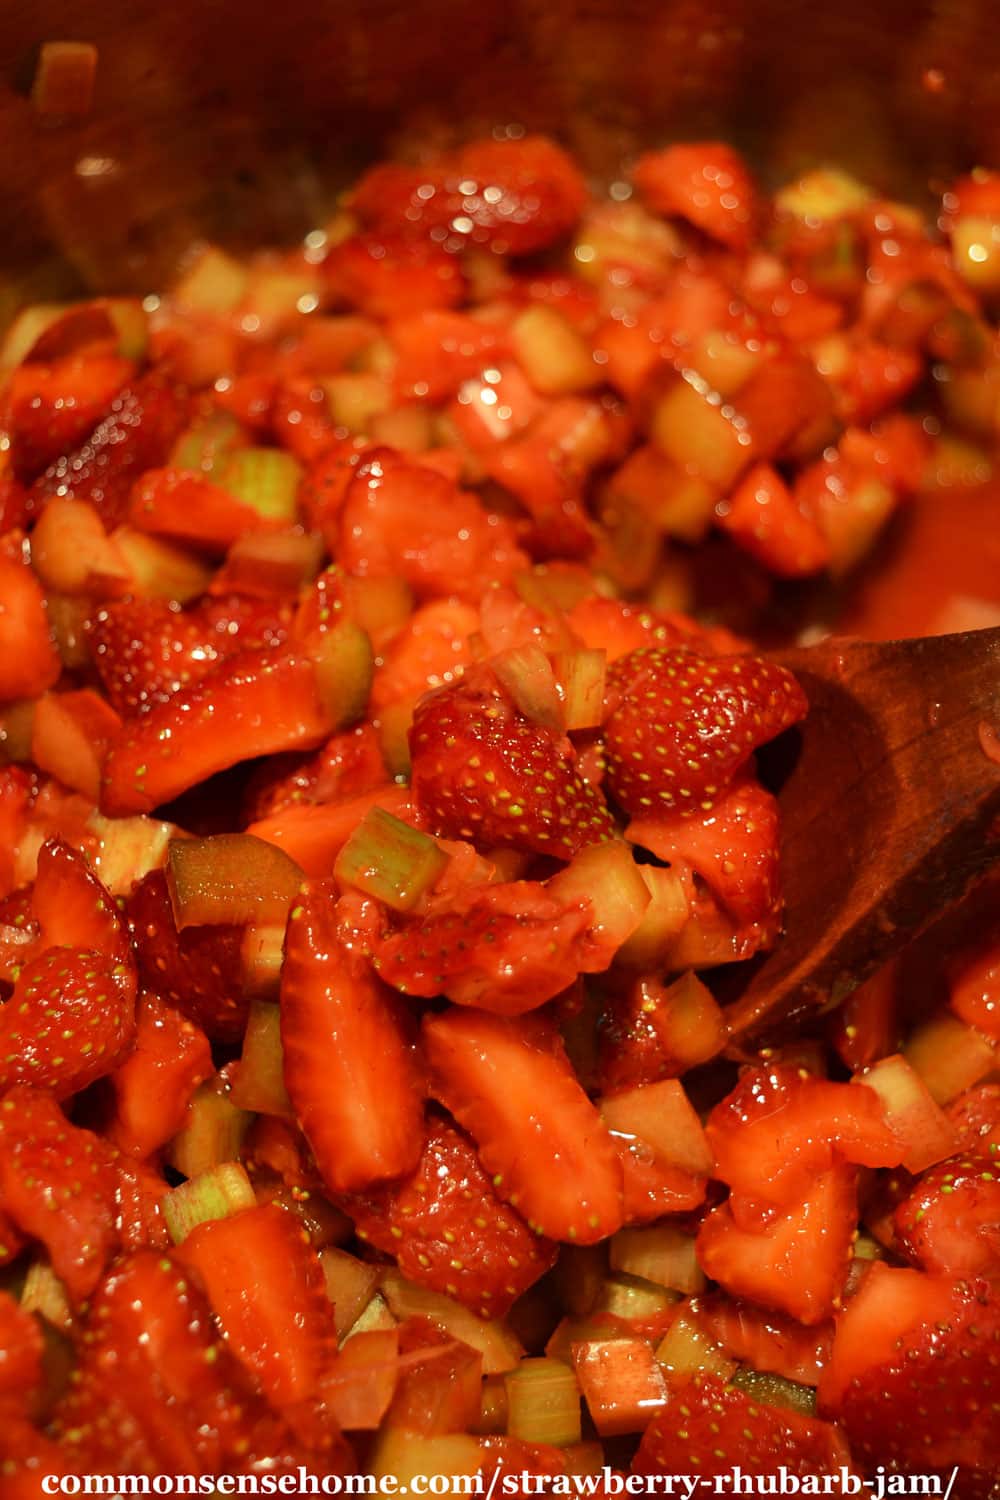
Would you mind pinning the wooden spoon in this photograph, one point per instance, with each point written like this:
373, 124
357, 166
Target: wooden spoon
890, 798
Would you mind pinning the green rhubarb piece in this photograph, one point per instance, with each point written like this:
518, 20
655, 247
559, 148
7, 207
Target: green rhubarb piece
216, 1194
345, 665
266, 479
580, 675
259, 1084
213, 283
527, 674
232, 878
207, 446
543, 1403
775, 1390
387, 859
262, 953
43, 1293
211, 1135
633, 1297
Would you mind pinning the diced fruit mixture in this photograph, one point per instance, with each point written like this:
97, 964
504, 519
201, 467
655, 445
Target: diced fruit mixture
380, 801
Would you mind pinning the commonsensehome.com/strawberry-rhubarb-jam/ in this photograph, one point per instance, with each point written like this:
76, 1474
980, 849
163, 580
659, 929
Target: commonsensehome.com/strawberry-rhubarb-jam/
379, 714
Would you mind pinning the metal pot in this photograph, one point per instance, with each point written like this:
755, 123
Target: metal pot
237, 120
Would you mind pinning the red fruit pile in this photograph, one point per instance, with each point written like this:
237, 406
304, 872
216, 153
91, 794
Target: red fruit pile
378, 774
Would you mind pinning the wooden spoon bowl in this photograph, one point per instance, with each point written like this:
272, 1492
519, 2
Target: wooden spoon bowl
890, 799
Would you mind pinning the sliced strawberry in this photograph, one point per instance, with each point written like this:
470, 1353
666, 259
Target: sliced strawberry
393, 277
137, 434
21, 1350
156, 1391
430, 650
614, 626
186, 507
511, 1086
976, 1115
349, 764
348, 1069
29, 662
484, 773
401, 519
709, 1429
799, 1263
733, 847
517, 196
949, 1224
153, 1086
145, 650
778, 1129
706, 183
449, 1230
141, 1191
505, 948
68, 1022
51, 408
57, 1183
198, 971
975, 988
914, 1376
266, 1287
765, 1340
437, 350
866, 1026
73, 910
256, 704
680, 727
762, 517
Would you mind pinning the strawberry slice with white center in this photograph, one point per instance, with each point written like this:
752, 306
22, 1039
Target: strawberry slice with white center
511, 1086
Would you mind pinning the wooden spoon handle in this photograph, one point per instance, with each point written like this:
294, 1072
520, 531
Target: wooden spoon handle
890, 805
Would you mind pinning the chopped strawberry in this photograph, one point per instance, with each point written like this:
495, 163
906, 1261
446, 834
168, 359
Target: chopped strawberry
949, 1224
198, 971
915, 1374
975, 988
797, 1264
153, 1086
401, 519
614, 626
679, 727
437, 350
976, 1115
257, 703
430, 650
706, 183
266, 1287
146, 650
50, 408
866, 1026
57, 1183
484, 773
21, 1350
510, 1085
348, 1068
141, 1190
765, 1340
72, 909
733, 847
29, 662
505, 948
186, 507
68, 1022
142, 423
763, 517
156, 1391
709, 1429
517, 196
778, 1128
449, 1230
349, 764
385, 277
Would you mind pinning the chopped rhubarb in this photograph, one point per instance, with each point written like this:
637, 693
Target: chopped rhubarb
543, 1403
388, 859
232, 877
214, 1194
